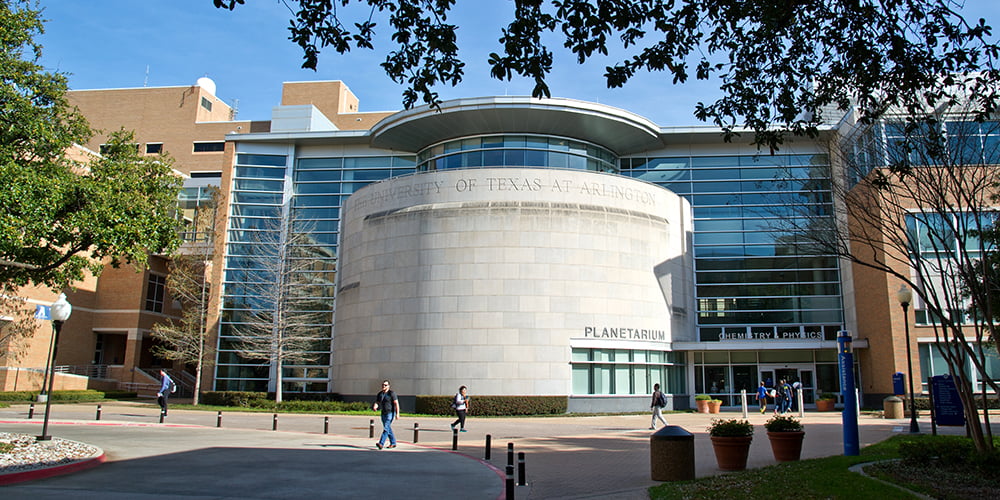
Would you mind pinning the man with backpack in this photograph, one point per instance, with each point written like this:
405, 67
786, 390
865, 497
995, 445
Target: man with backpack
659, 401
167, 386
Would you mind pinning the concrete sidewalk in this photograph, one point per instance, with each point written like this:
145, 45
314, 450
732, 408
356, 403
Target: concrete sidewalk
566, 457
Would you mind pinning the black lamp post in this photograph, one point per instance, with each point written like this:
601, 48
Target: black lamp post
61, 309
905, 296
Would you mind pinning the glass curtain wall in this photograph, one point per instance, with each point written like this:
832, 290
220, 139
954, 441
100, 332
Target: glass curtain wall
268, 195
753, 281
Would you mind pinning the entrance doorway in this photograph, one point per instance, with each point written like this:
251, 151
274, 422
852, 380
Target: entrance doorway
772, 374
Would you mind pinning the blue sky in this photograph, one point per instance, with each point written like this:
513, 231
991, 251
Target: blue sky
132, 43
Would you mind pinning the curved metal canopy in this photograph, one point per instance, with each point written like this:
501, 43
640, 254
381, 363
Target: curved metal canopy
615, 129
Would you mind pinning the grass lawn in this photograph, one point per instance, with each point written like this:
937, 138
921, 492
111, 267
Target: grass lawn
830, 478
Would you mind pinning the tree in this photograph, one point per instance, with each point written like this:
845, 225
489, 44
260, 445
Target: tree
17, 326
780, 63
911, 199
186, 339
60, 217
292, 305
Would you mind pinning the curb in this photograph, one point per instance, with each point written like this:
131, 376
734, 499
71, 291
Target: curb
57, 470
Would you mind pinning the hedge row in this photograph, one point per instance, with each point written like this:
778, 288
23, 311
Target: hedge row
294, 402
32, 396
924, 403
497, 406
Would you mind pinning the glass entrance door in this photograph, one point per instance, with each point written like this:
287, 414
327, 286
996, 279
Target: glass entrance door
792, 373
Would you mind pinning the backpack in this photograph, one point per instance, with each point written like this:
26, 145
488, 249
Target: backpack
661, 400
173, 386
454, 401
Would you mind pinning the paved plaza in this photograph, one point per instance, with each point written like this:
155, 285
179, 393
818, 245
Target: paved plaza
188, 456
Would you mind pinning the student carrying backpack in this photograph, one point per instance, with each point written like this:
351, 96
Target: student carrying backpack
658, 403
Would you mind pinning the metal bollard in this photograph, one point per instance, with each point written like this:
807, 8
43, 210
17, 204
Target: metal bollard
454, 439
31, 411
510, 454
274, 422
218, 419
371, 428
326, 425
162, 414
509, 484
416, 433
489, 446
98, 417
521, 480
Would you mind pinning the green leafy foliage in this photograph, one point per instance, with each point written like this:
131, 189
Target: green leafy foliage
702, 397
782, 423
494, 405
730, 428
32, 396
58, 217
779, 63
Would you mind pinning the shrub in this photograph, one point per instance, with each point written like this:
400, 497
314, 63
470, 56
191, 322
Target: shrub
781, 423
702, 397
827, 395
32, 396
242, 399
730, 428
120, 394
494, 405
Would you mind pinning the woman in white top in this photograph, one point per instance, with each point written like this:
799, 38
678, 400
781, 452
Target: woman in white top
461, 406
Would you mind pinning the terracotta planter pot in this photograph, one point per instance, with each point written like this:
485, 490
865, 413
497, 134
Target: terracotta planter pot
701, 405
714, 406
826, 404
786, 446
731, 452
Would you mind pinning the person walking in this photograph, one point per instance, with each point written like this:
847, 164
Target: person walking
778, 397
167, 387
659, 401
788, 394
762, 397
461, 405
386, 402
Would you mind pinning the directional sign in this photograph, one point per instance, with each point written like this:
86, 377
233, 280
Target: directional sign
43, 312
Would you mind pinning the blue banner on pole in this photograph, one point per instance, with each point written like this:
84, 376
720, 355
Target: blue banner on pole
947, 403
43, 312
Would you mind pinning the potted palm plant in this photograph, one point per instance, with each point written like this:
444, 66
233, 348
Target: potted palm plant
731, 441
785, 434
701, 402
826, 401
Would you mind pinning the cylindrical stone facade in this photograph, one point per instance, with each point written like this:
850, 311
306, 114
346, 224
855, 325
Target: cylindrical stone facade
487, 278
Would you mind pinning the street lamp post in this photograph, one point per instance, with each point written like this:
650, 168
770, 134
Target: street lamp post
905, 296
61, 309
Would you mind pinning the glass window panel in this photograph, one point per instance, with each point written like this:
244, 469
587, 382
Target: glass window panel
715, 187
258, 185
257, 198
367, 162
623, 380
602, 379
317, 175
260, 172
716, 357
318, 188
319, 163
640, 378
743, 356
581, 379
581, 354
264, 160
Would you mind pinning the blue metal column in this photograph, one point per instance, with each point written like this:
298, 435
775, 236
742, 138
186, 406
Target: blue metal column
848, 392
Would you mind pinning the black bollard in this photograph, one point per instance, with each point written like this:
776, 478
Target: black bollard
274, 422
489, 446
454, 439
218, 419
31, 411
416, 433
371, 428
521, 481
509, 484
510, 454
162, 414
326, 425
98, 412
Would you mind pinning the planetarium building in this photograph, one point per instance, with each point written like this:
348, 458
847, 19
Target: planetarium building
539, 247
